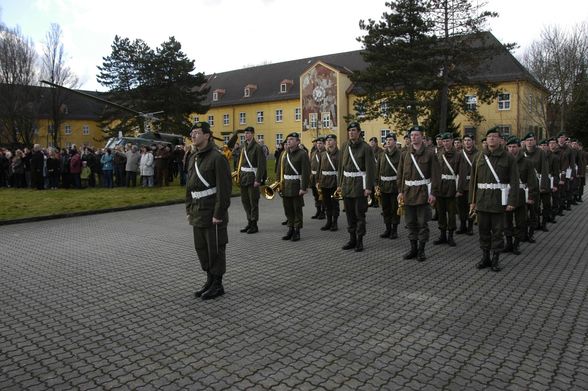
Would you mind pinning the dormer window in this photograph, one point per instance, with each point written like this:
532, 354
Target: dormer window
214, 96
217, 94
285, 85
249, 90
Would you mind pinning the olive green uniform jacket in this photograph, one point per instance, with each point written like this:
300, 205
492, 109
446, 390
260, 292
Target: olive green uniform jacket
214, 168
385, 170
354, 186
490, 200
448, 187
465, 169
429, 165
315, 163
257, 158
540, 164
329, 181
300, 161
528, 178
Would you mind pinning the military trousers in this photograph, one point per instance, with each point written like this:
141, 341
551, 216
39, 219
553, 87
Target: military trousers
293, 210
546, 209
463, 206
331, 204
210, 244
491, 230
417, 218
556, 201
446, 210
390, 208
315, 194
533, 216
515, 223
250, 200
355, 210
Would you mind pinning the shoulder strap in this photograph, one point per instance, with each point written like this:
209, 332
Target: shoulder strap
330, 161
416, 165
353, 158
291, 165
467, 158
390, 163
200, 175
492, 169
448, 165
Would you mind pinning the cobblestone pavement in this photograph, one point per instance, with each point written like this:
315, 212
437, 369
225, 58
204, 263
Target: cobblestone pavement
106, 302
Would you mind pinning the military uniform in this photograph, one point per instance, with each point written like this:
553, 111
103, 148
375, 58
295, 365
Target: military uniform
208, 195
327, 177
315, 163
386, 180
566, 175
416, 189
294, 169
539, 162
446, 204
463, 186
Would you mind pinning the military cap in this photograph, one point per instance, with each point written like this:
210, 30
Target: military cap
562, 134
528, 135
205, 126
513, 140
320, 138
354, 125
438, 136
391, 135
468, 135
483, 139
416, 128
331, 137
542, 142
249, 129
446, 136
294, 134
494, 129
574, 140
551, 139
374, 139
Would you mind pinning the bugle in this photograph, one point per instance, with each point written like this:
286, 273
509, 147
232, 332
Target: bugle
269, 192
235, 176
337, 195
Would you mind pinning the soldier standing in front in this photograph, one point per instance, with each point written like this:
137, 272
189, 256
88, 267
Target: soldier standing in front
356, 179
387, 187
315, 163
449, 161
493, 174
418, 185
208, 196
328, 172
468, 154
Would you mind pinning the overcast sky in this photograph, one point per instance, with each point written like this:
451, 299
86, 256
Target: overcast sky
222, 35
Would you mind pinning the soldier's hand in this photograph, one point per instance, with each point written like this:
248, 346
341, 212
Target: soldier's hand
400, 198
367, 192
216, 221
530, 202
302, 192
432, 200
509, 208
458, 194
256, 184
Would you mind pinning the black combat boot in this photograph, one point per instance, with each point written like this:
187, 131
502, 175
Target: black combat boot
318, 212
334, 226
435, 217
253, 228
216, 289
296, 235
495, 266
421, 251
246, 227
462, 227
530, 236
485, 261
289, 234
359, 244
543, 226
206, 285
329, 223
394, 232
470, 231
386, 233
450, 240
508, 247
442, 238
413, 251
352, 242
515, 247
321, 215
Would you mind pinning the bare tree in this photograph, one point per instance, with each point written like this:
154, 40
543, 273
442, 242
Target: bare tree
557, 60
55, 69
18, 98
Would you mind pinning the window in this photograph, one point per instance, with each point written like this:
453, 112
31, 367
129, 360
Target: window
283, 88
260, 138
241, 139
313, 119
504, 130
246, 92
226, 138
242, 119
469, 130
85, 130
384, 108
326, 117
260, 117
383, 134
360, 110
214, 96
279, 138
297, 114
504, 101
35, 130
279, 115
196, 119
226, 119
211, 120
471, 102
67, 129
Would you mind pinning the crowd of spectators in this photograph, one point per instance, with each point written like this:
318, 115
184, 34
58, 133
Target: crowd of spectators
79, 168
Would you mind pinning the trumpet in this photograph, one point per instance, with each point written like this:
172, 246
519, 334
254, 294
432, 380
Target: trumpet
320, 192
269, 192
337, 195
235, 176
473, 214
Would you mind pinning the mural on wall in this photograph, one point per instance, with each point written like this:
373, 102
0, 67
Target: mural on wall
319, 96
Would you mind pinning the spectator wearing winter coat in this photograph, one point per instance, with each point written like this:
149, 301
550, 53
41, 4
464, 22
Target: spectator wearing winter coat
146, 167
37, 166
53, 164
75, 168
106, 162
132, 166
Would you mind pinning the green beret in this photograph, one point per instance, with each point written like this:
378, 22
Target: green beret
513, 140
205, 126
562, 134
353, 125
330, 137
542, 142
321, 139
391, 135
294, 134
438, 136
484, 139
416, 128
249, 129
495, 129
551, 139
446, 136
528, 135
468, 135
374, 139
574, 140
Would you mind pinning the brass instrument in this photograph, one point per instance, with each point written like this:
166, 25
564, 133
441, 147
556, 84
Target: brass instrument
320, 192
269, 192
235, 176
473, 214
400, 210
378, 194
337, 195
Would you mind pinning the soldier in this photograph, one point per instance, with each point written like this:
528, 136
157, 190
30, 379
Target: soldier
541, 170
528, 194
315, 163
418, 185
294, 171
582, 170
468, 155
387, 187
328, 171
208, 196
494, 172
449, 161
377, 151
356, 178
251, 174
547, 198
567, 170
555, 164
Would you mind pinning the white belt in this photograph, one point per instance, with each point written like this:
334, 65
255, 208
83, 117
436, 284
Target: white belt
354, 174
522, 186
417, 183
204, 193
492, 186
292, 177
329, 172
314, 172
249, 169
468, 178
388, 178
448, 177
